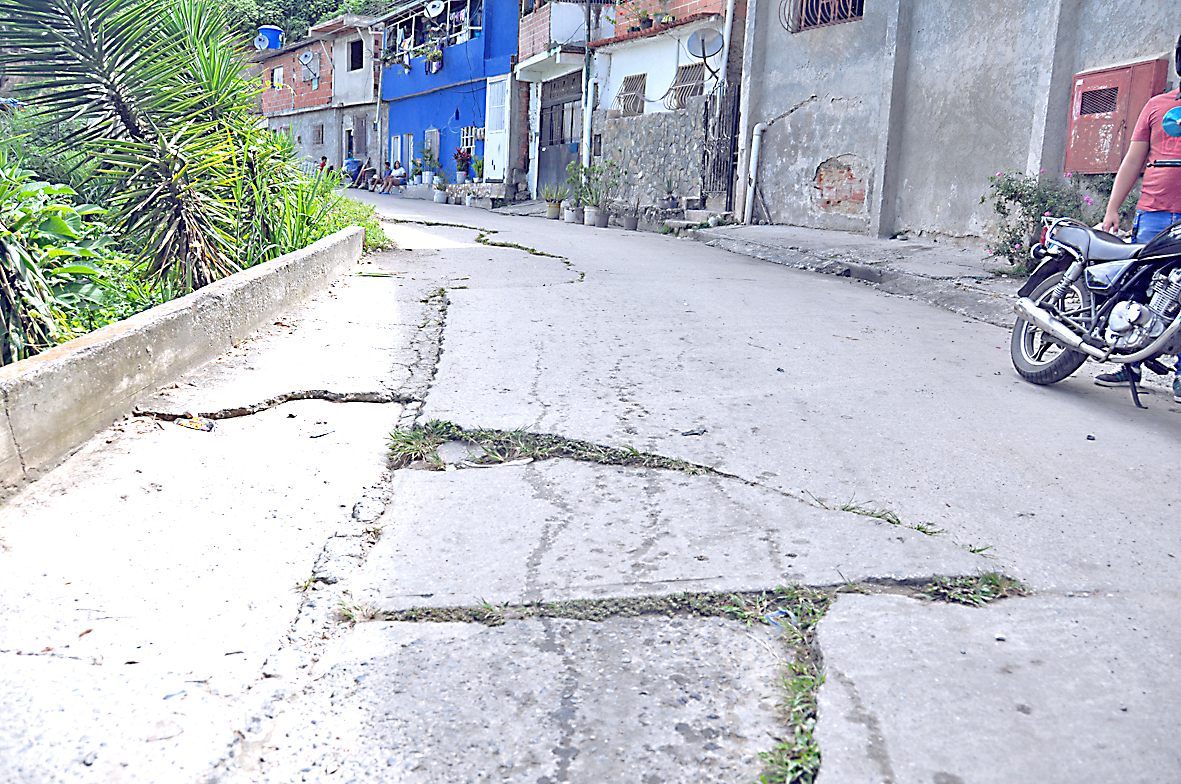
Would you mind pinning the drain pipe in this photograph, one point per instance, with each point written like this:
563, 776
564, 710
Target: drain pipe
727, 31
752, 176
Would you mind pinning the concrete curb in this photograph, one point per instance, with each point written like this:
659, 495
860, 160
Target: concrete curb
950, 294
55, 401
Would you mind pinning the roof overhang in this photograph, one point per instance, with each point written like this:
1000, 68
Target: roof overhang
686, 24
550, 64
340, 24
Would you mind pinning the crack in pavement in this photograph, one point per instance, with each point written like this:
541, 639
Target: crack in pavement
278, 400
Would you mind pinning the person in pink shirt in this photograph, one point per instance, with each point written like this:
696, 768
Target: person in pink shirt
1157, 136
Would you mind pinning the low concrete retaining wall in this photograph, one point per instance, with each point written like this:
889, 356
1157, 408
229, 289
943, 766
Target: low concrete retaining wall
55, 401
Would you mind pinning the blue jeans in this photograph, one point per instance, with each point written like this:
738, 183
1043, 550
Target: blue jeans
1147, 226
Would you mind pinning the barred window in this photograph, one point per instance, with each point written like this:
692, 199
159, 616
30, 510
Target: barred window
467, 139
317, 134
689, 81
800, 15
630, 98
432, 140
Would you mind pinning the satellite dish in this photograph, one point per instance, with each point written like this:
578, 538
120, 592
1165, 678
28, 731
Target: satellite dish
434, 8
306, 57
704, 43
260, 42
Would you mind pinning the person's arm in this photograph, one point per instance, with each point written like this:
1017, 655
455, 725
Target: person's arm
1129, 171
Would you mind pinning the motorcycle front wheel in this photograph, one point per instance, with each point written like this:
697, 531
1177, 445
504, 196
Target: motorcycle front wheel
1037, 358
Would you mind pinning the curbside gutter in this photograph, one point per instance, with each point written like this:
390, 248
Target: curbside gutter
958, 296
54, 402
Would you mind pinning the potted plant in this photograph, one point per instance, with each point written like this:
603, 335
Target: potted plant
478, 168
643, 19
441, 189
463, 159
434, 60
667, 186
631, 218
553, 195
606, 178
576, 179
416, 171
429, 164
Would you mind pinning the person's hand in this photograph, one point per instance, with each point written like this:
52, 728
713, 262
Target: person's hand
1110, 223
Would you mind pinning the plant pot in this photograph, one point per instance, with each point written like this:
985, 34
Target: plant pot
578, 215
460, 178
589, 214
631, 222
417, 179
568, 216
552, 210
665, 203
602, 218
646, 24
428, 178
440, 196
479, 181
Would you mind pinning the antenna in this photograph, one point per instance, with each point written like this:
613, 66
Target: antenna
434, 8
704, 43
260, 42
305, 57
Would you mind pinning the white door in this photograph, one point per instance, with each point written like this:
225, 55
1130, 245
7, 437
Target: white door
496, 129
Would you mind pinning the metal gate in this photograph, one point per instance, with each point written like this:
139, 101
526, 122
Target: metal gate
719, 155
561, 128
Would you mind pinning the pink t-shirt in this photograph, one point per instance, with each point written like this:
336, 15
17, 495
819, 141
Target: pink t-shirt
1160, 125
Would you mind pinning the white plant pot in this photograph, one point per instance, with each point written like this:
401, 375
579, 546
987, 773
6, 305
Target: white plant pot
440, 197
461, 178
569, 216
428, 178
589, 215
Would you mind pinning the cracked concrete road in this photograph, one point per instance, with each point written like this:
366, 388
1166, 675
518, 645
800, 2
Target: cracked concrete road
179, 550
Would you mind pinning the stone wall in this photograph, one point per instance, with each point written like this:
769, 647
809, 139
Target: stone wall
650, 147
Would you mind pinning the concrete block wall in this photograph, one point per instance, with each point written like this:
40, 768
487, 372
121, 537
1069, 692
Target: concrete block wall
55, 401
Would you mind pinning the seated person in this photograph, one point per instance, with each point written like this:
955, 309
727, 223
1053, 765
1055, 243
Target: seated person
395, 177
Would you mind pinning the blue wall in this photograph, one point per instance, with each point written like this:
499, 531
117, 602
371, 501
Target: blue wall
419, 100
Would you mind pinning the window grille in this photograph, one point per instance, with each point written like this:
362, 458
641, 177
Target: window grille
800, 15
317, 134
432, 140
1100, 101
630, 98
356, 55
467, 139
689, 81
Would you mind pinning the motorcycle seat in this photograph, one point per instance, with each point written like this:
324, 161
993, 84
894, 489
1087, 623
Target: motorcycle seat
1108, 247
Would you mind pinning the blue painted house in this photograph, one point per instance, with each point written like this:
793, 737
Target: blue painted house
447, 80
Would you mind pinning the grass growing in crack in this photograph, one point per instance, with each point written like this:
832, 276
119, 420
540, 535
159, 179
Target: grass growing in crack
975, 591
304, 585
353, 611
502, 446
482, 238
885, 515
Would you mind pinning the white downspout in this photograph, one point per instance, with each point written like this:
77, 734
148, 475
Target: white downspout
752, 176
726, 33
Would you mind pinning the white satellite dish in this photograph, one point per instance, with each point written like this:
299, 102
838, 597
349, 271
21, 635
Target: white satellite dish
704, 43
434, 8
260, 42
306, 57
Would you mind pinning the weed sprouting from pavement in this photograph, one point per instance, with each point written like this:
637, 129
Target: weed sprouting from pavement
304, 585
976, 591
885, 515
503, 446
353, 611
482, 238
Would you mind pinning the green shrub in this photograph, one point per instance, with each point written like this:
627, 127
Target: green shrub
344, 212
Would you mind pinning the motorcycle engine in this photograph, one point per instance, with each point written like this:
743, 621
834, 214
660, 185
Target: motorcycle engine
1134, 325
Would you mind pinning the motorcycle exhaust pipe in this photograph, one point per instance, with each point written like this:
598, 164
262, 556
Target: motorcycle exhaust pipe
1041, 319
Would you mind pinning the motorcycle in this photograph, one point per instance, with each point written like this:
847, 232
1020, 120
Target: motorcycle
1094, 295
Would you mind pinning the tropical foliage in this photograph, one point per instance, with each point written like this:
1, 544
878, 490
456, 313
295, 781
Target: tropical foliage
152, 116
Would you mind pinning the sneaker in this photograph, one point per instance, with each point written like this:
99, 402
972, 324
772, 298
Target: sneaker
1177, 389
1119, 378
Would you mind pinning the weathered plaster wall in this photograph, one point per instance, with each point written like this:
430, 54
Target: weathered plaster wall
650, 146
969, 106
352, 86
302, 127
848, 67
658, 57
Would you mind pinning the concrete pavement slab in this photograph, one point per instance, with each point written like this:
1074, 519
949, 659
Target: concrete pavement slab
539, 700
1048, 688
559, 530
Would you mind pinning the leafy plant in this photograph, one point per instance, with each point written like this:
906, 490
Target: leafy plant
478, 165
554, 194
576, 178
1021, 200
603, 181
